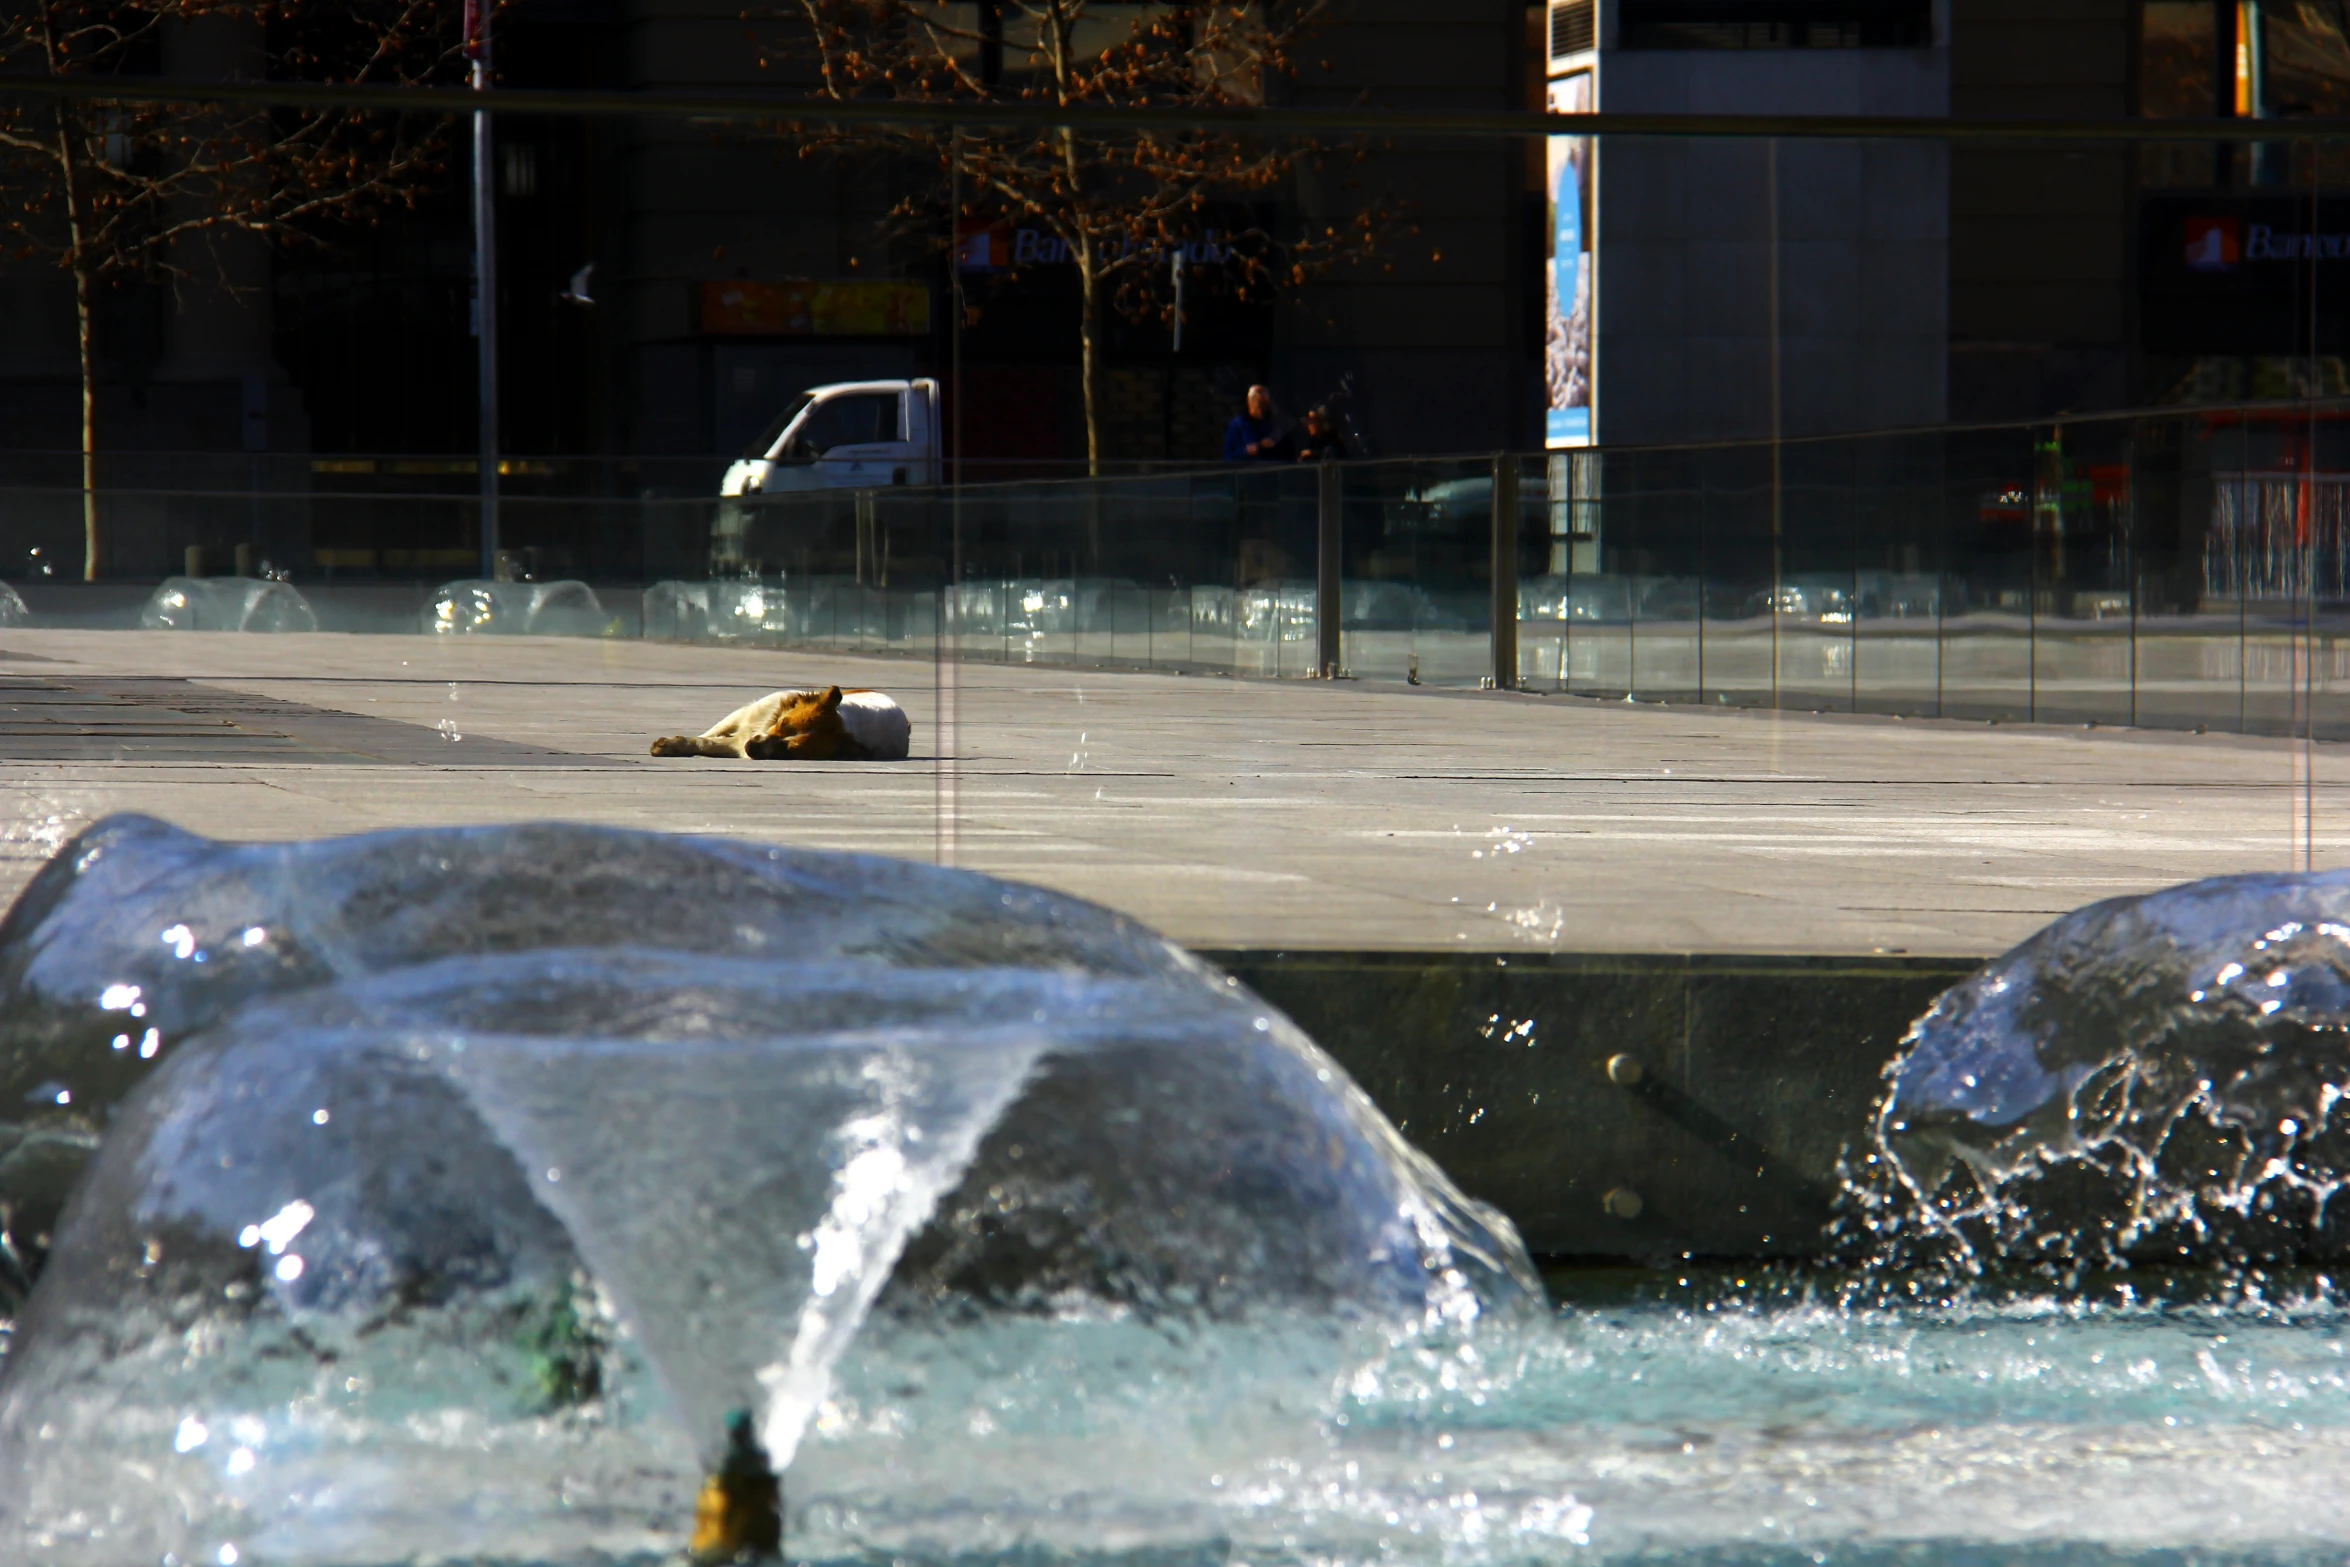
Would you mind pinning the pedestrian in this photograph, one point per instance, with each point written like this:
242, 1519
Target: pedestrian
1252, 436
1316, 439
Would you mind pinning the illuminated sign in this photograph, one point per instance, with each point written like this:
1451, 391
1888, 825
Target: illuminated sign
857, 307
979, 249
2240, 275
2212, 244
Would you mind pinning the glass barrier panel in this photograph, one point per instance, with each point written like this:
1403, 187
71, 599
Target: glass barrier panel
1565, 484
2085, 623
2264, 508
1813, 597
1990, 587
1449, 509
1897, 626
1589, 601
1271, 572
1534, 544
1659, 540
2190, 623
1735, 570
1399, 540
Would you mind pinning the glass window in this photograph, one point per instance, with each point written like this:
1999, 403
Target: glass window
775, 428
2304, 69
1094, 32
1775, 24
2178, 79
2177, 68
857, 420
2305, 64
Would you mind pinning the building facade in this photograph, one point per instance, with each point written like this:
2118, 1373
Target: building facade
1729, 287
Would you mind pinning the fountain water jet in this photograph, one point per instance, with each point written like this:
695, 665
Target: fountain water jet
559, 1144
2148, 1080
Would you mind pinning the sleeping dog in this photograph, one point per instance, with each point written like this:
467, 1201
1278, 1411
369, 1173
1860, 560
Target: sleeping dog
831, 725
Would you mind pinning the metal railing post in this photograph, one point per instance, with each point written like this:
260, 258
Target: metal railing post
1329, 543
1505, 572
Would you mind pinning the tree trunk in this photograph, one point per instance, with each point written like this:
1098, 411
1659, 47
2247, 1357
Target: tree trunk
89, 365
84, 288
1089, 343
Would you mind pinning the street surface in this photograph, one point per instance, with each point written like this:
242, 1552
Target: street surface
1226, 813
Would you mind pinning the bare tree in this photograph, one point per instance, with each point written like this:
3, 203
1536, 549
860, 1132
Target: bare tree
117, 192
1116, 205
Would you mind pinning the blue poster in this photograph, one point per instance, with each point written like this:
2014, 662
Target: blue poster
1567, 334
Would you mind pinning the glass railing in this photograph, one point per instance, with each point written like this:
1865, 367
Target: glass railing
2176, 570
2182, 570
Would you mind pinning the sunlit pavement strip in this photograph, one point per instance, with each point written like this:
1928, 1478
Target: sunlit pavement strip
1225, 813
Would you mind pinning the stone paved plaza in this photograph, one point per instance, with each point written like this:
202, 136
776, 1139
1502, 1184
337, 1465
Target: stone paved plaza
1226, 813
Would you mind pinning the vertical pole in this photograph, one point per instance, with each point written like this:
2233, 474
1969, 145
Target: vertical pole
1628, 527
2134, 568
1176, 266
485, 280
2253, 90
948, 648
1704, 508
1778, 529
2032, 587
1852, 625
1329, 543
1566, 486
2223, 90
1942, 572
1505, 572
2309, 525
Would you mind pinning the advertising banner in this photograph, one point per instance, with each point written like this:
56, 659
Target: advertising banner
1572, 286
850, 308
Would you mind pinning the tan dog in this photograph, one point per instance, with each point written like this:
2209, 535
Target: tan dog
831, 725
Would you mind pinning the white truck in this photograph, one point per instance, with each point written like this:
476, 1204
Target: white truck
851, 435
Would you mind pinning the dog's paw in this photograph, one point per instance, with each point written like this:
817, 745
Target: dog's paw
673, 745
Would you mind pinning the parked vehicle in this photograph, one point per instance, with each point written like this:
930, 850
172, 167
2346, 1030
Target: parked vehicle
848, 435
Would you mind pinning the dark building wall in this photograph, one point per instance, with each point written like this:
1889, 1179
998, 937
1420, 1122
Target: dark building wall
1914, 283
2039, 237
1685, 247
1434, 331
1429, 337
706, 203
1432, 337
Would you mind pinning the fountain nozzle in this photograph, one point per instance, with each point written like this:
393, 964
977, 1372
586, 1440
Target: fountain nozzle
739, 1515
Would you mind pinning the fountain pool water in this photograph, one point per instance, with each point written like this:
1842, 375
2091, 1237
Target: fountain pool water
437, 1197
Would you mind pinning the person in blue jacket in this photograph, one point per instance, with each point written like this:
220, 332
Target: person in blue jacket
1253, 436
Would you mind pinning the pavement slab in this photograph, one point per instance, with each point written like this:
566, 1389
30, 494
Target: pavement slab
1226, 813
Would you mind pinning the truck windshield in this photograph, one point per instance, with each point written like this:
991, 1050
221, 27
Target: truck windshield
775, 428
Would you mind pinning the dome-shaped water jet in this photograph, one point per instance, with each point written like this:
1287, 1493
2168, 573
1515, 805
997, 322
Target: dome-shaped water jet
450, 1191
